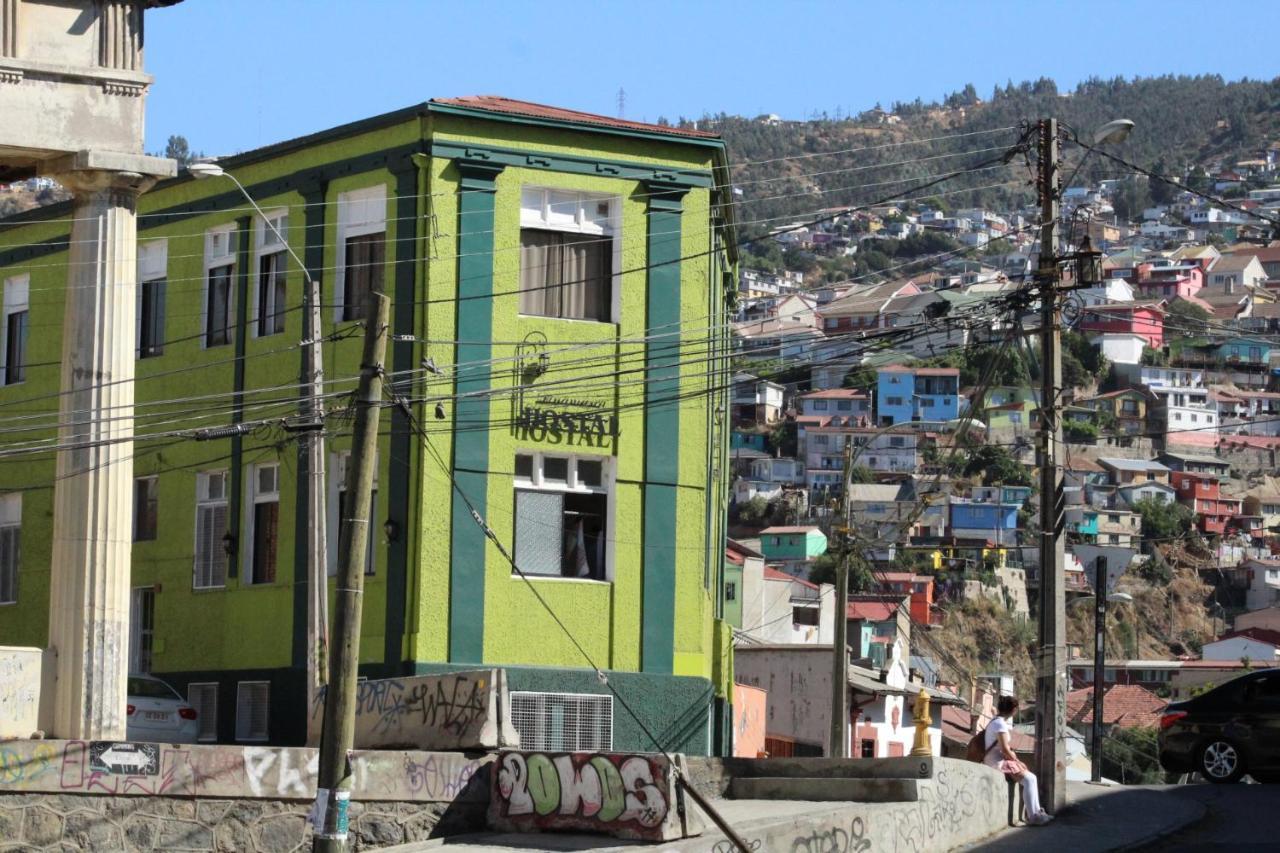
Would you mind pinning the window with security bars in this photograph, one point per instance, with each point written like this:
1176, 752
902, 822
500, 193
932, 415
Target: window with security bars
204, 699
563, 722
252, 707
211, 527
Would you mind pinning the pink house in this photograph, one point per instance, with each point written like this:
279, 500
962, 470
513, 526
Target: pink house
1166, 281
1146, 320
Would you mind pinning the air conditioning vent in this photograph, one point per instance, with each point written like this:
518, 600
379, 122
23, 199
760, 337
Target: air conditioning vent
563, 722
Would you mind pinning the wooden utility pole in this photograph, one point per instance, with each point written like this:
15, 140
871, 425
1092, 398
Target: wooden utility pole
840, 642
1051, 673
334, 786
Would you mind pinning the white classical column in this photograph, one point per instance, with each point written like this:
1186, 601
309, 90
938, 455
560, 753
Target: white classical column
93, 505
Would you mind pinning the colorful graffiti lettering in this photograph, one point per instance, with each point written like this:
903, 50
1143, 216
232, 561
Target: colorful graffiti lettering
623, 795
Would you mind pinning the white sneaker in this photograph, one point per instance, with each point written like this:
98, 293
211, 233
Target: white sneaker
1039, 819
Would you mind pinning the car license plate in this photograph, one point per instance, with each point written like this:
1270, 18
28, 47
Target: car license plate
156, 715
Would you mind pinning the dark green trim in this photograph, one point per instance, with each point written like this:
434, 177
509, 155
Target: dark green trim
598, 166
661, 427
244, 225
677, 709
313, 214
471, 447
401, 507
579, 126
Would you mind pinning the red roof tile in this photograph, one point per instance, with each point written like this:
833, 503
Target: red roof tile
1262, 635
509, 106
772, 574
1123, 705
874, 611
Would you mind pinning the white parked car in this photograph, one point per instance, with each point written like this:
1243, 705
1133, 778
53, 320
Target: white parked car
157, 714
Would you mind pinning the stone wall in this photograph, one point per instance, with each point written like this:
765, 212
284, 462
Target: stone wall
87, 822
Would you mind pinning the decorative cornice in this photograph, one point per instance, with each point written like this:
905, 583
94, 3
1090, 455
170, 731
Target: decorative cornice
552, 162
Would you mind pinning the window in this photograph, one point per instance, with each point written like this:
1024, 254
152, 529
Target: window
1015, 417
897, 441
10, 546
844, 405
362, 222
264, 523
272, 264
338, 464
204, 699
146, 508
566, 254
211, 527
819, 405
730, 591
563, 722
219, 264
252, 706
562, 516
142, 628
820, 440
893, 401
153, 259
13, 347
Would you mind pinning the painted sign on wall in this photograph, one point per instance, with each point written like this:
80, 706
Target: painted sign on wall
626, 796
460, 710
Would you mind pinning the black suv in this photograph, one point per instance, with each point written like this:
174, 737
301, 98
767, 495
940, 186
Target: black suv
1226, 732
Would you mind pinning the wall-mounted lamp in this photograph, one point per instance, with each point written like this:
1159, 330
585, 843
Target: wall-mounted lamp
440, 415
229, 544
391, 528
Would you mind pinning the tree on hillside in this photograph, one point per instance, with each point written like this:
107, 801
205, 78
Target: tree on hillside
1162, 192
1162, 520
178, 149
1185, 310
996, 465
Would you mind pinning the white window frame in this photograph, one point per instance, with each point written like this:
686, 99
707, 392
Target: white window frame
337, 473
266, 243
153, 265
10, 554
204, 480
254, 495
360, 212
17, 293
202, 712
607, 487
243, 734
219, 251
538, 214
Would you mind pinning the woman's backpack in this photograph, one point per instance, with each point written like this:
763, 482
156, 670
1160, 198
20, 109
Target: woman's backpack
977, 749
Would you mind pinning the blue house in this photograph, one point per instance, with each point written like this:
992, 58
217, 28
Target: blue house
1247, 350
908, 394
753, 440
992, 521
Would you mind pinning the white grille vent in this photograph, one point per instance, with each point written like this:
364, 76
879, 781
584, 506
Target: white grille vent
204, 698
563, 722
252, 698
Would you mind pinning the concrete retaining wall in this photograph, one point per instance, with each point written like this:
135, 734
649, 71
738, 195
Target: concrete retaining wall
87, 822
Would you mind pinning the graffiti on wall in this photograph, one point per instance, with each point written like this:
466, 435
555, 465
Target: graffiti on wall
460, 710
749, 705
627, 796
20, 670
267, 772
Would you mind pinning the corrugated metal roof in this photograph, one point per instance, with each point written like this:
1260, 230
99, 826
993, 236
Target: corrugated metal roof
510, 106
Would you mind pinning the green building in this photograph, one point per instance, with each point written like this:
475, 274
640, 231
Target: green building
558, 285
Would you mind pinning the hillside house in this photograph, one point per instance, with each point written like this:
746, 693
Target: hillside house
1202, 494
1168, 280
793, 549
1142, 319
905, 394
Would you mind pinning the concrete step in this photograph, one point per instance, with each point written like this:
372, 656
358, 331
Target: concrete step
824, 789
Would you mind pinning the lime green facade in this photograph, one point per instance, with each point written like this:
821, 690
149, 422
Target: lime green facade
441, 594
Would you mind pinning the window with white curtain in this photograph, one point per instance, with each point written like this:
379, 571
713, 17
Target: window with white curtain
14, 330
567, 254
153, 261
562, 515
272, 265
362, 233
211, 527
219, 265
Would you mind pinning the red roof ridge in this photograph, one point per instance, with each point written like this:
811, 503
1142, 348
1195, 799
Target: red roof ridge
512, 106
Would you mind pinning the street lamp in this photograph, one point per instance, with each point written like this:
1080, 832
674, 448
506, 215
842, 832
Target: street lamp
311, 444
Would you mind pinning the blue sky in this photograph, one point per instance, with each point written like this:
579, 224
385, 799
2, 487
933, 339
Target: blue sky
236, 74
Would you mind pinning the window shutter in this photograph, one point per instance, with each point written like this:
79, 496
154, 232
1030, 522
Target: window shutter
539, 523
204, 699
252, 698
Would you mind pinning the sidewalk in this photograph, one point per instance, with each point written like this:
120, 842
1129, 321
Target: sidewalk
1101, 818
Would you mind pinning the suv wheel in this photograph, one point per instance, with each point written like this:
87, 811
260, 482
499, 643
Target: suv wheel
1221, 761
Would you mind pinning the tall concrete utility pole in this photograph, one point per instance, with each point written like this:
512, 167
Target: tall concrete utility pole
335, 782
1051, 681
840, 640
